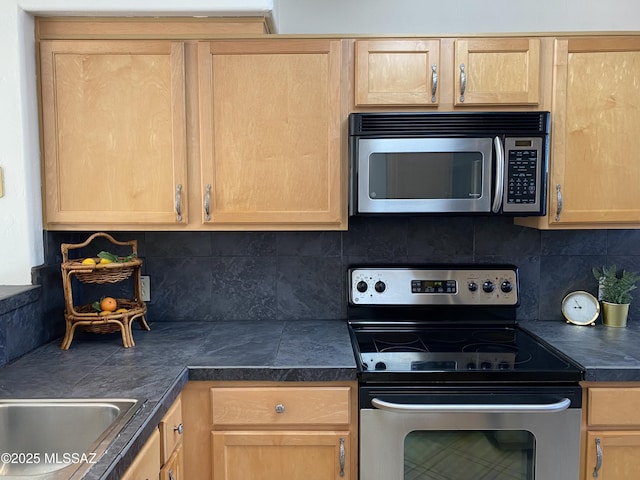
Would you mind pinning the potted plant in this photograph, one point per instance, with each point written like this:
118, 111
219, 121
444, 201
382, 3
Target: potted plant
615, 288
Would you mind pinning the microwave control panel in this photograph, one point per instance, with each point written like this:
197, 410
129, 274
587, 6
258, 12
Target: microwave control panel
523, 173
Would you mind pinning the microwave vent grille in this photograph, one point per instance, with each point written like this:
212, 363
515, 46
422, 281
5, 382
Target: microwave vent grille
433, 124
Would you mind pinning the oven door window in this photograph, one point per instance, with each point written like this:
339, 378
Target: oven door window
469, 455
423, 175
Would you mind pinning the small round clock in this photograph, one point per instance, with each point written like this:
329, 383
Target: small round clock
580, 308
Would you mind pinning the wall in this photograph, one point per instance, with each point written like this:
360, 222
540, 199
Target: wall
455, 16
20, 209
206, 276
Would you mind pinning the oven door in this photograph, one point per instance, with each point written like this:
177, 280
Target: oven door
492, 434
427, 175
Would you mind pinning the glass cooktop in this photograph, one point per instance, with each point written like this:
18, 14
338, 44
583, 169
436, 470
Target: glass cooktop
457, 352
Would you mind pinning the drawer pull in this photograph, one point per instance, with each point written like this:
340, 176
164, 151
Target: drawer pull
179, 429
279, 408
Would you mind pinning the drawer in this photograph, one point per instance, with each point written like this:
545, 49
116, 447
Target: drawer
280, 405
614, 406
171, 430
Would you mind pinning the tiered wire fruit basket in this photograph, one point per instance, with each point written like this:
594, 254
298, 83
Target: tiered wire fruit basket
86, 316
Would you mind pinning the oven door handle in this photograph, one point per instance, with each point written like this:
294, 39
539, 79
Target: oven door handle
471, 408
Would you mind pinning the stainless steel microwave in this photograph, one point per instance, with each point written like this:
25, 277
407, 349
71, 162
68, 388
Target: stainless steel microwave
492, 163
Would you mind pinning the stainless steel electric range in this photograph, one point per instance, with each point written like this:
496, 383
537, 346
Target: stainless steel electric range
450, 386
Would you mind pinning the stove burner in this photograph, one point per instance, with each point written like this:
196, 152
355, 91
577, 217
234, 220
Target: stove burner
520, 356
400, 343
495, 336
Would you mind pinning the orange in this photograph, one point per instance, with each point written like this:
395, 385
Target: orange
108, 304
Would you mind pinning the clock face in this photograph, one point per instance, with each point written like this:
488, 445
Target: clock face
580, 308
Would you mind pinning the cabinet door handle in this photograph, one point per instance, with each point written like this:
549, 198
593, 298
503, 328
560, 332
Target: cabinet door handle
342, 457
598, 466
171, 477
463, 82
179, 429
207, 202
178, 201
559, 201
279, 408
434, 82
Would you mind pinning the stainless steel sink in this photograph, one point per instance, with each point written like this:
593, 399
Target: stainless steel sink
58, 438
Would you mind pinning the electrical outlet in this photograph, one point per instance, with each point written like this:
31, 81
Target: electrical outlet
145, 281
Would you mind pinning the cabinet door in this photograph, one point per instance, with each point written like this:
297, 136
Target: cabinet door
500, 71
595, 175
114, 131
397, 72
278, 455
146, 465
613, 455
173, 469
270, 133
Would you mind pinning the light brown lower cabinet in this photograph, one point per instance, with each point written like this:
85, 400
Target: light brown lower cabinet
613, 455
612, 439
171, 453
311, 455
270, 430
146, 465
173, 469
162, 456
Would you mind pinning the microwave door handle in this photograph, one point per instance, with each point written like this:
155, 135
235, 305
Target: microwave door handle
559, 406
497, 196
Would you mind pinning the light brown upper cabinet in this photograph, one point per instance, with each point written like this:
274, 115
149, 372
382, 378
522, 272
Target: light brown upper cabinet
397, 72
114, 141
447, 73
271, 116
156, 126
595, 171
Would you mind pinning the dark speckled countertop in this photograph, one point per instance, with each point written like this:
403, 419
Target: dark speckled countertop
607, 354
163, 360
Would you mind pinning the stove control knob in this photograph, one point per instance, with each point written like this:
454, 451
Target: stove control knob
362, 286
471, 366
488, 286
380, 286
504, 366
485, 365
506, 286
473, 286
381, 366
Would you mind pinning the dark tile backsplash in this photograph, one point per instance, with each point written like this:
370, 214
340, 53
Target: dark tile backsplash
275, 276
301, 275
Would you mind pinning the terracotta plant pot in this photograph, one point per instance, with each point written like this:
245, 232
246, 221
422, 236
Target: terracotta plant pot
615, 314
